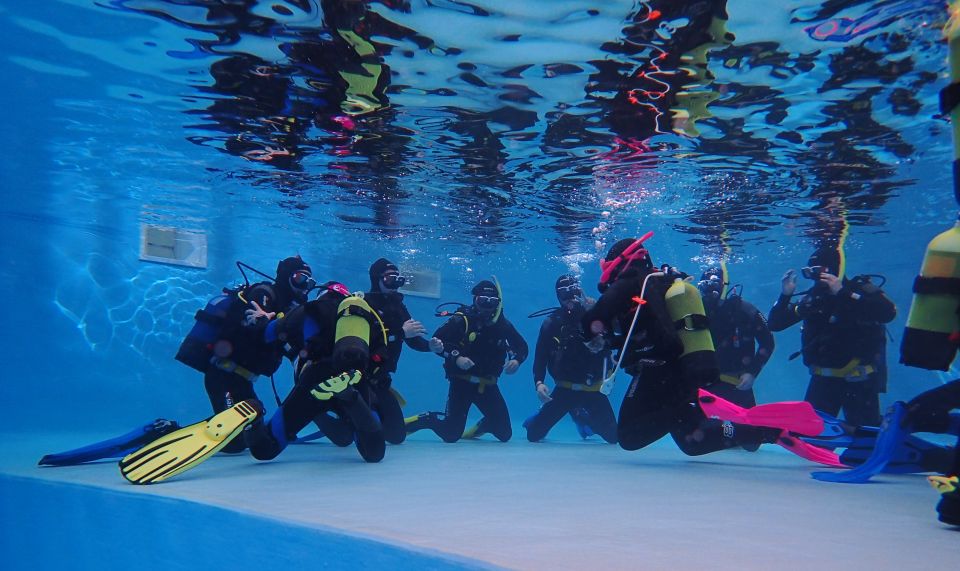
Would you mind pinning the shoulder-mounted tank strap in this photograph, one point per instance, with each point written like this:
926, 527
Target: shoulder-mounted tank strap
936, 286
692, 322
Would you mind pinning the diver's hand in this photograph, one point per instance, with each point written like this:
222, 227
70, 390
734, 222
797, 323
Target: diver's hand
412, 328
543, 392
788, 284
596, 344
252, 316
464, 363
436, 345
606, 387
746, 382
511, 366
832, 281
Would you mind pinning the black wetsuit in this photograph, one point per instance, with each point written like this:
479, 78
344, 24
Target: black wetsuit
320, 359
244, 354
929, 412
844, 346
471, 334
743, 344
391, 309
578, 374
662, 396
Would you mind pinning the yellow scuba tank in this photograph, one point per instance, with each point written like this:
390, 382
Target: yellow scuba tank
351, 348
685, 307
932, 334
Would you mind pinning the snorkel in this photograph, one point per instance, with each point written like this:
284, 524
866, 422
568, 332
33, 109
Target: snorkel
499, 311
610, 269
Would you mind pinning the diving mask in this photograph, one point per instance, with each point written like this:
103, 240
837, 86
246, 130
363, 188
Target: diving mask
485, 302
301, 280
393, 280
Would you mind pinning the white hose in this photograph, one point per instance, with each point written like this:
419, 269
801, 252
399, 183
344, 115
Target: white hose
607, 386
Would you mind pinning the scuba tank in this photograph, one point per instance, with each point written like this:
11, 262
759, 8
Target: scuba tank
685, 307
198, 347
932, 334
351, 349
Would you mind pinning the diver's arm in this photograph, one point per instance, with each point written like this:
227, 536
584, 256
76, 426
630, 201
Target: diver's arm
417, 343
611, 304
451, 334
542, 353
783, 314
517, 343
765, 343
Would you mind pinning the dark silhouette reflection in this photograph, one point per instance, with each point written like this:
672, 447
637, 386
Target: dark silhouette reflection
346, 103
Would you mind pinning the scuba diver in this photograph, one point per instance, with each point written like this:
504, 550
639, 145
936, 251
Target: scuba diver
227, 343
341, 335
577, 372
387, 302
383, 297
343, 344
843, 337
477, 343
655, 321
741, 338
930, 412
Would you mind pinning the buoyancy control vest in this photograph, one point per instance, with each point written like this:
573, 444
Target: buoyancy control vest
218, 333
832, 336
571, 360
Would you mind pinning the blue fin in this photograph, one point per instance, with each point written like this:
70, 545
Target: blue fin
912, 455
113, 448
889, 438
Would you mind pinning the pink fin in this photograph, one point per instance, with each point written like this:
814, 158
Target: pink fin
809, 451
794, 416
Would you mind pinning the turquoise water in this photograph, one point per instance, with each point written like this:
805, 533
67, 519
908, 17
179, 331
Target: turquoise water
510, 138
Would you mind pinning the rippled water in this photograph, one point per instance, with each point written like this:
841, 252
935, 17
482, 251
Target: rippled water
511, 137
721, 119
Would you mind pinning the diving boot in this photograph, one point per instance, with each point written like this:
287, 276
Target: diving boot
948, 509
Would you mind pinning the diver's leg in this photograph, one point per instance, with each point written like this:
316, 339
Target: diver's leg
825, 394
861, 403
369, 431
391, 415
649, 409
496, 417
224, 390
600, 415
731, 393
267, 439
549, 414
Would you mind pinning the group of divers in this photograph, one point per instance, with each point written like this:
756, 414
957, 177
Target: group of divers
692, 351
